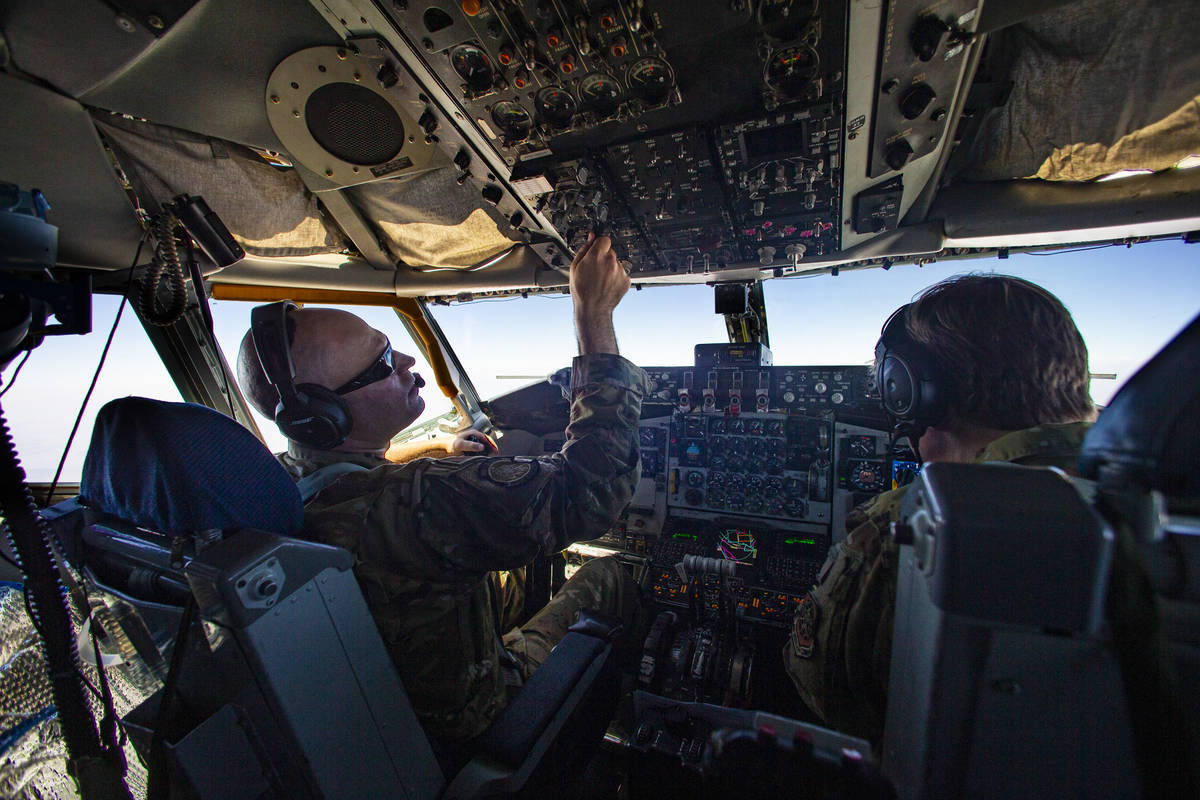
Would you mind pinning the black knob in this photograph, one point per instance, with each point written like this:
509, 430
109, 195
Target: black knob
388, 76
916, 100
492, 193
926, 36
462, 159
428, 121
897, 153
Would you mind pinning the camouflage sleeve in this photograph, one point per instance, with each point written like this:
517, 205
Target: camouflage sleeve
476, 514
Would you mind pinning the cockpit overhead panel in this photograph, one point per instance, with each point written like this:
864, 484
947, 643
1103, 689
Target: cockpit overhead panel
700, 137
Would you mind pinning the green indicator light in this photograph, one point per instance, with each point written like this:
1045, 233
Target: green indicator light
691, 536
799, 541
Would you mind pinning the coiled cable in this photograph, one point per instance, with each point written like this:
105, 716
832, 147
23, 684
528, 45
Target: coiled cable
167, 265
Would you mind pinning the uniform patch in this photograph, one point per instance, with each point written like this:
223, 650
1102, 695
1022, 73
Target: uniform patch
509, 473
804, 626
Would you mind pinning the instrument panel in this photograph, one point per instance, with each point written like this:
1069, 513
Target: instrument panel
698, 136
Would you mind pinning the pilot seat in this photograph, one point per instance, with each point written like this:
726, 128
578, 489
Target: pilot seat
1038, 644
266, 674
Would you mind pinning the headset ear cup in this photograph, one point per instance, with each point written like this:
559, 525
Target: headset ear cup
895, 386
911, 386
320, 419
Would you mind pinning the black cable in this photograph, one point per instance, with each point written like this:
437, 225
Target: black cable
37, 627
109, 723
95, 377
46, 601
166, 263
16, 372
157, 785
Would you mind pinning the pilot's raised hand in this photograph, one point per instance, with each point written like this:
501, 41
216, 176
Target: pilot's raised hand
471, 441
598, 282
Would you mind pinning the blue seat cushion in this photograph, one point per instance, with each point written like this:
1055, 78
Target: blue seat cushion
178, 468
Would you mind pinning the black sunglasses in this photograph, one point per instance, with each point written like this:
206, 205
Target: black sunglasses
379, 369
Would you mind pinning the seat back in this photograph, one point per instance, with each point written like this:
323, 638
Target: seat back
290, 689
1003, 682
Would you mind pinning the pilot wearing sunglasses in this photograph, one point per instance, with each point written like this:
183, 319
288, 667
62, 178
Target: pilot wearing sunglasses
430, 534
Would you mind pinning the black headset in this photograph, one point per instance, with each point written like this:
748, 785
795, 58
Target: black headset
912, 386
309, 413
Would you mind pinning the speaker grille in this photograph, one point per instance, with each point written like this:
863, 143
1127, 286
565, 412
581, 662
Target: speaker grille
354, 124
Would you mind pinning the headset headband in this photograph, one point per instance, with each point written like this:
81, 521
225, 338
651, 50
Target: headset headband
268, 326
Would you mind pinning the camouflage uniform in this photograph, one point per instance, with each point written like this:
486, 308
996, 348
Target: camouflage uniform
426, 535
840, 647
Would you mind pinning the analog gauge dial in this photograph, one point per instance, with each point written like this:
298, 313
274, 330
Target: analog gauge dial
555, 106
651, 79
513, 120
600, 93
473, 66
791, 70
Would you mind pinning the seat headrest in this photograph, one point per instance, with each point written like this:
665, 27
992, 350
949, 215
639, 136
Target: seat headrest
1149, 434
179, 468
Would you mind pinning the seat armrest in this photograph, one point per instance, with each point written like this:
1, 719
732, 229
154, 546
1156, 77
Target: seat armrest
511, 737
601, 626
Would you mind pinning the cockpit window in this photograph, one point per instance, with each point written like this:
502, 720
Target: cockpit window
43, 399
824, 319
1127, 303
505, 344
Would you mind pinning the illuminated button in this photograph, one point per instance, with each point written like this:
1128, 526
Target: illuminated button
471, 7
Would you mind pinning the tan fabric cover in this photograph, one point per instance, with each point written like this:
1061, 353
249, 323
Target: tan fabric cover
1155, 147
267, 209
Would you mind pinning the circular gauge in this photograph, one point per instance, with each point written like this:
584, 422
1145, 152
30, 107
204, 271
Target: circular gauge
473, 66
651, 79
791, 70
513, 120
555, 106
600, 93
783, 19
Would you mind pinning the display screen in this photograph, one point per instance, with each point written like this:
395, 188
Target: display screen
771, 143
737, 544
802, 546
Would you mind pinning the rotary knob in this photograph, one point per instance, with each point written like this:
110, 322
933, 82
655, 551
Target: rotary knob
837, 398
916, 100
897, 153
820, 387
789, 397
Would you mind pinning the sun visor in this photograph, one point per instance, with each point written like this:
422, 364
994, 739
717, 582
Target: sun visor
431, 220
266, 208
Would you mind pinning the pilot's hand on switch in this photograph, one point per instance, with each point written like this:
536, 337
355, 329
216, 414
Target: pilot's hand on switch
598, 281
471, 442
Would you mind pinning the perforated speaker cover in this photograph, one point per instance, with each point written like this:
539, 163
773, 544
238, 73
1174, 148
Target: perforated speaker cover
347, 116
354, 124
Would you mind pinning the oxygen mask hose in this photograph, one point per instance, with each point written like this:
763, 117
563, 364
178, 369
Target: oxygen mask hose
30, 539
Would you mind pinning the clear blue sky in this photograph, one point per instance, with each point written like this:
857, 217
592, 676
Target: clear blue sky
1127, 303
